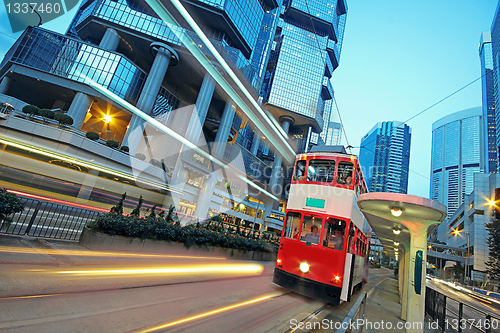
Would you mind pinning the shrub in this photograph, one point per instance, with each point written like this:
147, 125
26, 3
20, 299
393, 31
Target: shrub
31, 110
118, 209
63, 119
156, 227
155, 163
125, 149
137, 210
9, 204
140, 156
92, 136
46, 114
112, 143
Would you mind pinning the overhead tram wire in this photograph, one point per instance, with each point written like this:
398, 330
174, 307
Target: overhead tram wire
324, 62
430, 107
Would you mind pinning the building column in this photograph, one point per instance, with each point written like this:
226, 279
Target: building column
404, 294
218, 149
4, 85
415, 307
110, 40
195, 126
164, 56
255, 143
78, 109
286, 122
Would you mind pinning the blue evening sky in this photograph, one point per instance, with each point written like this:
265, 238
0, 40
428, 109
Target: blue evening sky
398, 58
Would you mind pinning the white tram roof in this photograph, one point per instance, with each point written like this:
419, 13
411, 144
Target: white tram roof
328, 149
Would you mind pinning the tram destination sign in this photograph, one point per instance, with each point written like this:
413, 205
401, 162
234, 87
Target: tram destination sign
315, 203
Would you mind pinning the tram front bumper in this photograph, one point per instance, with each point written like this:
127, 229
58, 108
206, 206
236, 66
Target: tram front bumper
307, 287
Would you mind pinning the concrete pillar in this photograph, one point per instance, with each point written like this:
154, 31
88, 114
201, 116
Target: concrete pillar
4, 85
219, 147
255, 143
194, 129
415, 311
78, 109
404, 295
286, 122
165, 56
110, 40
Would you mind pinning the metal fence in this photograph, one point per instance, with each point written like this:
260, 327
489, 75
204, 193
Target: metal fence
357, 313
455, 316
46, 219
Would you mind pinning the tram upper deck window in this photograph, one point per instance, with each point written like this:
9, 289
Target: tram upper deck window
333, 235
344, 173
311, 229
292, 225
300, 170
321, 171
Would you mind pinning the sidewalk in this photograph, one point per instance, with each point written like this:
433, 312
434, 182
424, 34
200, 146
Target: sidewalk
383, 305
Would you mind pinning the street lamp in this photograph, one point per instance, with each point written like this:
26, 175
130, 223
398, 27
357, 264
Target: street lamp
458, 232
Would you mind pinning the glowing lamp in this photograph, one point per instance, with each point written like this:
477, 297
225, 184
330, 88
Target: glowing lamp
491, 203
304, 267
396, 211
396, 230
107, 119
336, 279
396, 243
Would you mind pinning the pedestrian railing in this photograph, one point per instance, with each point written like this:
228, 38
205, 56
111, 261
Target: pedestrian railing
354, 321
456, 316
47, 219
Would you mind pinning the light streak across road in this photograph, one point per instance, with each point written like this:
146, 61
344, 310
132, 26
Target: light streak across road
214, 312
12, 249
251, 269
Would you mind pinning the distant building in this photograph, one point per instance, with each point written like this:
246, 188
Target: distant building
487, 87
495, 47
469, 221
457, 153
385, 157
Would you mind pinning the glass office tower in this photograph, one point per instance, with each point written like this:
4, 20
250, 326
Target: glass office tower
457, 153
489, 123
161, 68
495, 48
384, 156
305, 52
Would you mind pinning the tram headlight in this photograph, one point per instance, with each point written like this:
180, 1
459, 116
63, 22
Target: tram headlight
304, 267
336, 279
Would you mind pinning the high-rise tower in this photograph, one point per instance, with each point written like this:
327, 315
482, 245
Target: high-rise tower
385, 157
457, 153
305, 52
489, 124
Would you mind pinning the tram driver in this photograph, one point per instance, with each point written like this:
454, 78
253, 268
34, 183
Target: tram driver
312, 236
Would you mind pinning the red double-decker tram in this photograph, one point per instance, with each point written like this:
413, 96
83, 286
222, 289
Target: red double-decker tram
323, 248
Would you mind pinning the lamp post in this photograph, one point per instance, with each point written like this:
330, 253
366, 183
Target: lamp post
458, 232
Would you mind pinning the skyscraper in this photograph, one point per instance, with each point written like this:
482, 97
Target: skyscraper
305, 52
489, 124
385, 157
495, 48
120, 66
457, 153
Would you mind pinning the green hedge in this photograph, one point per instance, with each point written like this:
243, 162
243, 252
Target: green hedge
158, 228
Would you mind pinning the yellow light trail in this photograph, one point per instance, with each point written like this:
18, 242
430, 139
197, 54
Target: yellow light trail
479, 298
225, 268
213, 312
12, 249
